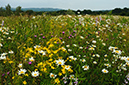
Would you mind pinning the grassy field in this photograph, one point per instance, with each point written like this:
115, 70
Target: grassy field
64, 50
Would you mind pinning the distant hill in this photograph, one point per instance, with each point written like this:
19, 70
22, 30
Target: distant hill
38, 9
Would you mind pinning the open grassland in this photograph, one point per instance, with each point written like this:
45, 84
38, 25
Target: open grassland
62, 50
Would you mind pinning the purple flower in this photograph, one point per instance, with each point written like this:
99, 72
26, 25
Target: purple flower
76, 82
69, 37
35, 35
51, 35
29, 62
57, 42
61, 38
126, 82
2, 23
43, 36
128, 79
74, 31
65, 81
63, 32
3, 74
8, 73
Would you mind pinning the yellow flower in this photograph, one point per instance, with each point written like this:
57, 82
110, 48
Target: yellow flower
13, 77
50, 55
59, 73
70, 70
51, 45
24, 82
63, 71
26, 74
57, 80
50, 59
52, 67
36, 69
10, 62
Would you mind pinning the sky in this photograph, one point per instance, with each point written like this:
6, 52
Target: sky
67, 4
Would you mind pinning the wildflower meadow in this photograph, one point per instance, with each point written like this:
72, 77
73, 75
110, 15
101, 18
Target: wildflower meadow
64, 50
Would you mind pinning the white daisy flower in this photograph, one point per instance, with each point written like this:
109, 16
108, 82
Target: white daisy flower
86, 67
94, 41
2, 57
91, 48
111, 48
108, 65
60, 62
3, 54
83, 60
21, 71
104, 71
35, 73
69, 50
67, 67
97, 55
117, 52
94, 62
81, 37
31, 59
127, 59
123, 58
63, 48
52, 75
11, 52
37, 46
63, 42
20, 65
71, 57
75, 45
74, 59
94, 46
1, 45
80, 47
43, 52
67, 46
71, 77
105, 55
103, 44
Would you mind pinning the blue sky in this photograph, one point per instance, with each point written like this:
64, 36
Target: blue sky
68, 4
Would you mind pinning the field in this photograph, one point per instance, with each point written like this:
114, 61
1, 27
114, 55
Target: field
64, 50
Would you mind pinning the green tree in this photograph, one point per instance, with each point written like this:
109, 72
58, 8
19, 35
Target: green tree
2, 11
18, 10
70, 12
8, 10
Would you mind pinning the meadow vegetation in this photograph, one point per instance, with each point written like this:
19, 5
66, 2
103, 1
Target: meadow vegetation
64, 50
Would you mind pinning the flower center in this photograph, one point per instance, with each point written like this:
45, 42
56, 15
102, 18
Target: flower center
52, 75
22, 72
105, 71
85, 67
128, 59
59, 62
117, 51
35, 74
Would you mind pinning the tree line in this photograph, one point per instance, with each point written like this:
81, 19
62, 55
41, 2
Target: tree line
18, 11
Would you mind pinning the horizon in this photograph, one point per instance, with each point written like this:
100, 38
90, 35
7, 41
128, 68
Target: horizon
93, 5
